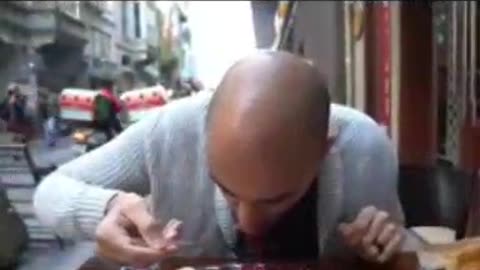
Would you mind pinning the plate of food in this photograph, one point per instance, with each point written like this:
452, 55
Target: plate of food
461, 255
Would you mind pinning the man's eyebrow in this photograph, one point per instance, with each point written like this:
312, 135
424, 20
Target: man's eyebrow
226, 190
277, 198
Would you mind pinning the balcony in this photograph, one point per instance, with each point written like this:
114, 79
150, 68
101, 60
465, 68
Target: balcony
33, 5
99, 6
69, 8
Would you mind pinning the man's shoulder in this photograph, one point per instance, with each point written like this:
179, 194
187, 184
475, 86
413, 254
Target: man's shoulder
353, 127
347, 114
188, 107
368, 161
182, 117
359, 137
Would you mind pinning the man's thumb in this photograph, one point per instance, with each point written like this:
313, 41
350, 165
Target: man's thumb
172, 229
137, 212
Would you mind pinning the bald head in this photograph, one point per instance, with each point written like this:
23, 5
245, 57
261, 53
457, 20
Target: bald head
275, 86
267, 132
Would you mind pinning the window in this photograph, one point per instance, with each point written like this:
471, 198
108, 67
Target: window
152, 34
125, 60
136, 14
105, 45
124, 19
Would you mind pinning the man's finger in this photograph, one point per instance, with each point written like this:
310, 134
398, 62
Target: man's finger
386, 235
372, 252
115, 243
138, 242
132, 252
391, 248
138, 256
109, 238
364, 218
144, 223
172, 229
161, 236
375, 228
359, 227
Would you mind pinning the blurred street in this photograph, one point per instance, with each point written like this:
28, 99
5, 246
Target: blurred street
46, 156
50, 256
53, 258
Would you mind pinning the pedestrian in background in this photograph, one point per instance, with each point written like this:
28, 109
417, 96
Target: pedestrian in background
108, 108
50, 130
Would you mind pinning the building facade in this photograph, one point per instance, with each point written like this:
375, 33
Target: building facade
48, 45
136, 43
42, 45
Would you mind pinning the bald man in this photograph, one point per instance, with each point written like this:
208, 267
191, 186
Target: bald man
266, 168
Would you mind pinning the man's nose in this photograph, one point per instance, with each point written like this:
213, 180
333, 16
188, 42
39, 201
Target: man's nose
251, 219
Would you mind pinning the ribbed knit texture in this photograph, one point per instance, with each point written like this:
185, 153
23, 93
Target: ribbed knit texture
164, 155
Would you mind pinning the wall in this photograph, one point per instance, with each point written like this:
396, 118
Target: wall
152, 30
320, 26
413, 104
358, 62
14, 66
395, 28
417, 132
116, 9
100, 28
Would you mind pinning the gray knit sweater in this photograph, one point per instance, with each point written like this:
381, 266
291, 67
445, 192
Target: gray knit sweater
164, 156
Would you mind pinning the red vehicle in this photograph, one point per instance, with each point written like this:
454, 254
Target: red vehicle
140, 102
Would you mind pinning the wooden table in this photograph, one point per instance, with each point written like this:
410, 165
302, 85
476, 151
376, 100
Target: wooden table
401, 262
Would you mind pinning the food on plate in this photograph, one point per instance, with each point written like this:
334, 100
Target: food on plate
465, 258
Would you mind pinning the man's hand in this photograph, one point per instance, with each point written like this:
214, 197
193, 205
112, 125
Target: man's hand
373, 235
129, 236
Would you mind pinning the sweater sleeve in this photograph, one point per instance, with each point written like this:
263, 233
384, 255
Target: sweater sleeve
371, 167
373, 171
72, 200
